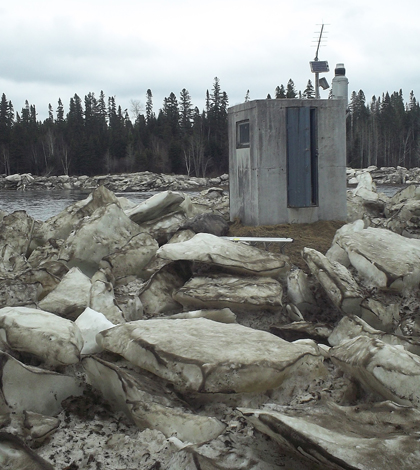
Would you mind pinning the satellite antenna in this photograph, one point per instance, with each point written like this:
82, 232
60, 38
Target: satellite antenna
319, 66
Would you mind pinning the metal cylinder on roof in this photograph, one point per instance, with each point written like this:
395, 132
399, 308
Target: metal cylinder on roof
340, 84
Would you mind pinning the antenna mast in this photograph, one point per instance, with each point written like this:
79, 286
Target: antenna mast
319, 66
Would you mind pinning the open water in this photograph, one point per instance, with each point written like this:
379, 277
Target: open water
41, 205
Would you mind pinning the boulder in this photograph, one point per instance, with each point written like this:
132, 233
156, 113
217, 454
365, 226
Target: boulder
227, 255
149, 404
251, 293
50, 338
364, 437
70, 297
390, 371
205, 356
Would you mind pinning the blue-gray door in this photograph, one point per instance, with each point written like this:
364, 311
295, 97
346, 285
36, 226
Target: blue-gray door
302, 161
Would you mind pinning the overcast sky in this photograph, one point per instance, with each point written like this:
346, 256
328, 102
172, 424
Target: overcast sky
52, 49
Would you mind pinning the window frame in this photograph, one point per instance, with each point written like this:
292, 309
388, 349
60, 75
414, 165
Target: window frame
240, 143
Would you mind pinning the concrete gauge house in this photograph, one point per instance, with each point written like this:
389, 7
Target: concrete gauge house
287, 161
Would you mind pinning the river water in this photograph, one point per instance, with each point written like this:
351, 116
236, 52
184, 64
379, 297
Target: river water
42, 205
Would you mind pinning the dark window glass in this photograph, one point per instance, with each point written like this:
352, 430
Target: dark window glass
242, 134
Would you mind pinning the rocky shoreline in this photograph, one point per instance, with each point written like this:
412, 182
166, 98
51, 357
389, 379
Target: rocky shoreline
147, 181
135, 336
126, 182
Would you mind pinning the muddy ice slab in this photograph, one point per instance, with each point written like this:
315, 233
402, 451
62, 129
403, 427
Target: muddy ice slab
63, 223
52, 339
251, 293
351, 326
30, 388
70, 297
390, 371
149, 404
16, 455
156, 206
336, 280
364, 437
382, 258
206, 356
231, 256
97, 236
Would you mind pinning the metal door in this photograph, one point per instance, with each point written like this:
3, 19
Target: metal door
302, 161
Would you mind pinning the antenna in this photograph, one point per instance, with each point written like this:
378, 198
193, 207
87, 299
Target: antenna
318, 42
319, 66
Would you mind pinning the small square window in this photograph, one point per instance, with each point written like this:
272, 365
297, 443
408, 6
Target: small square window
242, 134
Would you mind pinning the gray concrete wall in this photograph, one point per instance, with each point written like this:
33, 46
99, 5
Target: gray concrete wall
258, 174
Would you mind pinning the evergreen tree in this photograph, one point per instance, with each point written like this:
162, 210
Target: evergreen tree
280, 92
291, 90
309, 92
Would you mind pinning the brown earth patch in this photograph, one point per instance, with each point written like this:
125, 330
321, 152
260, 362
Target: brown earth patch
318, 235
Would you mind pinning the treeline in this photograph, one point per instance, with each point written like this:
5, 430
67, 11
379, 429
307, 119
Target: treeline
384, 132
97, 137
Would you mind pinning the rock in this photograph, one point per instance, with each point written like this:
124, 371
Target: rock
42, 393
52, 339
390, 371
16, 455
156, 206
352, 326
128, 262
149, 404
39, 428
343, 437
206, 356
70, 297
225, 254
252, 293
90, 323
336, 280
383, 259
